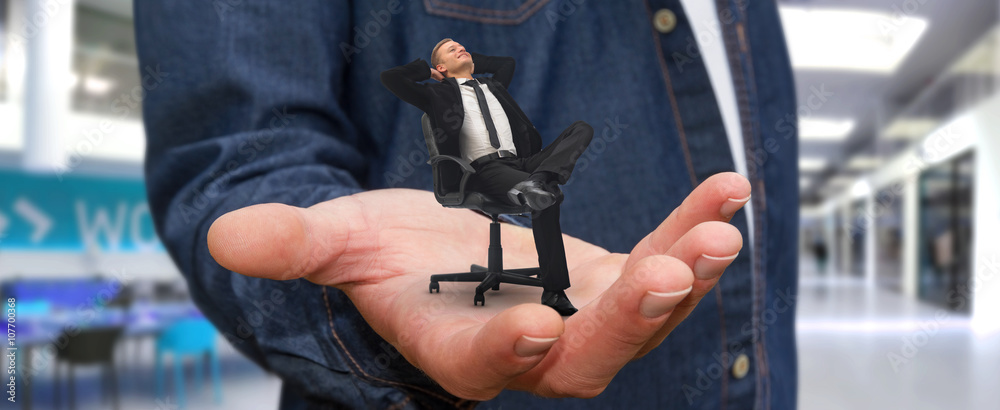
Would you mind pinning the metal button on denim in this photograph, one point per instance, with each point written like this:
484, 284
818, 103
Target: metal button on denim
741, 366
664, 20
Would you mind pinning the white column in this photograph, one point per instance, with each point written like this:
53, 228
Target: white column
830, 238
911, 233
12, 107
48, 31
870, 220
844, 247
14, 52
985, 283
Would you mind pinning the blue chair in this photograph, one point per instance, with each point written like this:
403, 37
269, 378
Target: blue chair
188, 337
33, 308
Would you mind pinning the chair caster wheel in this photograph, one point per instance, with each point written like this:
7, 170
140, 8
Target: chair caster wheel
497, 286
435, 286
480, 300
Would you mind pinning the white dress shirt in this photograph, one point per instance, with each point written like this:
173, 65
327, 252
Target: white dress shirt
475, 138
704, 20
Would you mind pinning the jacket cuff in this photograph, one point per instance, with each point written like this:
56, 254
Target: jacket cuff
418, 70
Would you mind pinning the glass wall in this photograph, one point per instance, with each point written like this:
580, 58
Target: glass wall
889, 239
858, 228
946, 233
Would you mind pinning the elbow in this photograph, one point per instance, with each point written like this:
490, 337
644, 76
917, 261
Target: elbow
389, 80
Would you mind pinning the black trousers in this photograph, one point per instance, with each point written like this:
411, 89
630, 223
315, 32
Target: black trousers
494, 178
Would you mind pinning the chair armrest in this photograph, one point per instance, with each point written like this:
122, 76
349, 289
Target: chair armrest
467, 171
466, 166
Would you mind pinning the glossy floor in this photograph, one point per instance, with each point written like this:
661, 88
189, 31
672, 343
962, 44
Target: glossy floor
859, 347
865, 347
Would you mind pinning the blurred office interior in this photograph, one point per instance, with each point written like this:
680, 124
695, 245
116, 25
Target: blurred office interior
898, 303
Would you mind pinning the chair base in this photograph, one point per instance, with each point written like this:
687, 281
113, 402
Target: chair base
488, 280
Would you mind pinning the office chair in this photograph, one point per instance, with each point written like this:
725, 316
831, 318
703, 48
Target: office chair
85, 347
450, 175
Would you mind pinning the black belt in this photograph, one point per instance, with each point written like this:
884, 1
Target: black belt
489, 157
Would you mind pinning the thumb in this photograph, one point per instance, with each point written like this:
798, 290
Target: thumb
282, 242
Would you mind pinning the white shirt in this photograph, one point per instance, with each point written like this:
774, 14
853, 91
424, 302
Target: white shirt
705, 24
474, 139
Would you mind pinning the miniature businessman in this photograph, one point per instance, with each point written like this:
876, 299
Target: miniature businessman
484, 125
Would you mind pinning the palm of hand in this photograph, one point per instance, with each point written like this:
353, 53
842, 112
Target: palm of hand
381, 255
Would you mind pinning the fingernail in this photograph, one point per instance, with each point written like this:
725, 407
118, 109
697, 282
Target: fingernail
656, 304
528, 346
706, 266
732, 205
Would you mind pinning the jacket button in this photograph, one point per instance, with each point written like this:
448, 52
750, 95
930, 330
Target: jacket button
741, 366
664, 20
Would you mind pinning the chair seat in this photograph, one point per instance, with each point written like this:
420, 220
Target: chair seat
478, 201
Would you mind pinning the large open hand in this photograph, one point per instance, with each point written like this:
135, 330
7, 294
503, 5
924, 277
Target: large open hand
380, 247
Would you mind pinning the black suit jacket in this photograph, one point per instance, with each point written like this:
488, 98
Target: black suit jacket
443, 101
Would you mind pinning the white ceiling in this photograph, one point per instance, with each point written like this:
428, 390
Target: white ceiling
871, 99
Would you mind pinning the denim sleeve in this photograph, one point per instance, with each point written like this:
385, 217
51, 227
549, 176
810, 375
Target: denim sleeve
247, 108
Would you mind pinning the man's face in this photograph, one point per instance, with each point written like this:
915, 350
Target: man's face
454, 58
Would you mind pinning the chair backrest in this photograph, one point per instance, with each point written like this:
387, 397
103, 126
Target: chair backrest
447, 175
429, 138
187, 336
89, 345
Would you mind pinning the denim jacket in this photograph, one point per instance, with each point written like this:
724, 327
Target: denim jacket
275, 101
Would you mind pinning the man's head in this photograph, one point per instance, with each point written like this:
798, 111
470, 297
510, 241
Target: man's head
450, 58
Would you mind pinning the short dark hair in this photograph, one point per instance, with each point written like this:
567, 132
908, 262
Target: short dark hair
434, 57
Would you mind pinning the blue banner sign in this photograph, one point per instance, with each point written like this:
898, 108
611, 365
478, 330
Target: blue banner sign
74, 213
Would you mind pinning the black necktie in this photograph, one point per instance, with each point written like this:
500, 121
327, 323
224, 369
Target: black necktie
485, 108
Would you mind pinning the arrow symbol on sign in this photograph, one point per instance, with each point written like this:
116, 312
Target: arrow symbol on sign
35, 217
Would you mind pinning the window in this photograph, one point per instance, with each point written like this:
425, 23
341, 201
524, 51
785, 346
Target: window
105, 63
945, 247
4, 27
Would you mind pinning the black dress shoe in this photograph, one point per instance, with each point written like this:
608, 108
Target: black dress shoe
558, 301
532, 193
